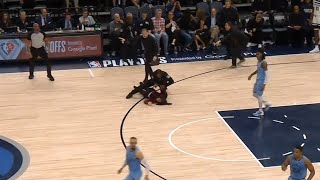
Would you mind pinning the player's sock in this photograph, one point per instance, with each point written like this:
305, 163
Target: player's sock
260, 102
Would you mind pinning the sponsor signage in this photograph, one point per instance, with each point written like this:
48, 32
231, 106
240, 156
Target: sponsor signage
116, 62
58, 47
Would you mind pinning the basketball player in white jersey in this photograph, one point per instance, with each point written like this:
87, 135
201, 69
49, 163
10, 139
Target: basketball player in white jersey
316, 24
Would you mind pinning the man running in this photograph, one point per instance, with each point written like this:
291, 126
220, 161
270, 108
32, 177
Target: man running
134, 158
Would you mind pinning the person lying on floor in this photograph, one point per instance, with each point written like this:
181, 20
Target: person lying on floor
159, 78
157, 95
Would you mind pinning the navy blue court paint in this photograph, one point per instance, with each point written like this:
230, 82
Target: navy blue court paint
278, 132
13, 159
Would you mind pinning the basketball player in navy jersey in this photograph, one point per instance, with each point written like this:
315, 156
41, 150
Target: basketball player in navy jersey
316, 24
298, 165
261, 81
134, 158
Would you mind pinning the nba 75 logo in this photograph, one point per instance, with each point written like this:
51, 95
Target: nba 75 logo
14, 159
10, 48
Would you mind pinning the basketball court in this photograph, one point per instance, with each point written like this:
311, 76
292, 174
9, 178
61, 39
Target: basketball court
72, 129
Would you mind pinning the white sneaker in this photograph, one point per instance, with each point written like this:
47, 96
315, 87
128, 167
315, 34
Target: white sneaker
260, 46
268, 106
258, 113
315, 50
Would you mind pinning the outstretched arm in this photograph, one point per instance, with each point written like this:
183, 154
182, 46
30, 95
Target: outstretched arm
123, 166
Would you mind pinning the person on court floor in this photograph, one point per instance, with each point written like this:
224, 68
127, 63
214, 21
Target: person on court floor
150, 52
298, 165
261, 81
159, 78
134, 158
157, 95
236, 41
316, 24
37, 45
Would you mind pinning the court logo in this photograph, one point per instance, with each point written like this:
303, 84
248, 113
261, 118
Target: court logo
14, 159
94, 64
8, 47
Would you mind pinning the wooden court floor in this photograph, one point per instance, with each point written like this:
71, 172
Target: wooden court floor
70, 127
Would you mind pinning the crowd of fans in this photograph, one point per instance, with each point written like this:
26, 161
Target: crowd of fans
176, 30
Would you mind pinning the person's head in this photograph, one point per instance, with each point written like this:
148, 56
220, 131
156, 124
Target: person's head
213, 12
298, 152
158, 73
116, 17
68, 16
44, 12
296, 9
36, 27
186, 14
129, 18
133, 143
5, 16
201, 15
144, 15
145, 32
227, 3
23, 15
258, 17
228, 26
170, 15
260, 54
85, 13
158, 13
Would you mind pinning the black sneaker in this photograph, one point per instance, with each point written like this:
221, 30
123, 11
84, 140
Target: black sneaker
31, 76
129, 95
50, 77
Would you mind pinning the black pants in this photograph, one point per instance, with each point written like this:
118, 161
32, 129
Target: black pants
35, 52
129, 50
257, 37
147, 68
235, 54
309, 33
296, 38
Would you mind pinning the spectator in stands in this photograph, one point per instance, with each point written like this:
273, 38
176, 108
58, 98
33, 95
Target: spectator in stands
23, 22
145, 22
129, 39
136, 3
307, 9
67, 22
254, 31
116, 28
27, 4
75, 4
229, 13
44, 20
214, 30
86, 19
261, 6
202, 33
173, 31
160, 31
174, 7
296, 32
5, 21
188, 26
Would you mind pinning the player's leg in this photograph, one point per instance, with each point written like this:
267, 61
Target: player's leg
44, 55
257, 93
316, 23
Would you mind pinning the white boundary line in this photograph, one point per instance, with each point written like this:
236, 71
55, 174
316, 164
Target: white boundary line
202, 157
254, 157
91, 73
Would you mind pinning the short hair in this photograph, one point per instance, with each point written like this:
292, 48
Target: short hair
299, 147
67, 14
228, 1
21, 11
159, 10
133, 138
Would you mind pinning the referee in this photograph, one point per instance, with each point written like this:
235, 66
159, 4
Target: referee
150, 52
38, 42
